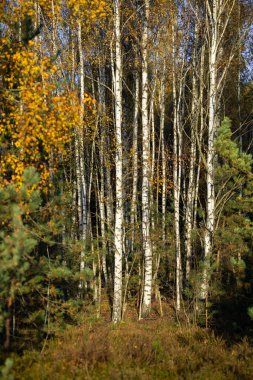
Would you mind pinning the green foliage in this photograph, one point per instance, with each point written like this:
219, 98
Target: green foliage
6, 369
229, 152
234, 193
16, 241
232, 275
39, 271
250, 312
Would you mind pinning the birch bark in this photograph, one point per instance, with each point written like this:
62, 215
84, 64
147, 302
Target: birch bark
118, 232
192, 178
212, 109
80, 162
135, 158
147, 249
101, 96
177, 171
218, 25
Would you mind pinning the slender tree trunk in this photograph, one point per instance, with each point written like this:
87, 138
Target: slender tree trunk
161, 165
118, 233
192, 178
135, 159
212, 108
80, 161
177, 142
147, 249
163, 157
101, 95
199, 135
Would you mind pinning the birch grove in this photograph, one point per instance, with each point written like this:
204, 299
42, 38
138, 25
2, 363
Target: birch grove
145, 103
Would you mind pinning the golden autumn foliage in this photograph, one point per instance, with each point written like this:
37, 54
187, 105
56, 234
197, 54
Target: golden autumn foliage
37, 120
89, 10
38, 116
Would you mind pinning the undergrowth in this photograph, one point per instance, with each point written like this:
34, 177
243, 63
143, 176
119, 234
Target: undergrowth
148, 349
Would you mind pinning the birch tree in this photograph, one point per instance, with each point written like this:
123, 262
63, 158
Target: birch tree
177, 164
147, 249
118, 233
82, 191
217, 28
193, 145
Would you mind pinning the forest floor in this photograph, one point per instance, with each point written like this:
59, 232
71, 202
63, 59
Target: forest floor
155, 348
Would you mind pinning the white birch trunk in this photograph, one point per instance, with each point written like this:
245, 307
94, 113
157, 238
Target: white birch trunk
101, 95
212, 108
192, 179
161, 165
118, 233
162, 125
135, 159
177, 178
82, 192
147, 249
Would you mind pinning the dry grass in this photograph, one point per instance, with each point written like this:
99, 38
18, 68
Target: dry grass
150, 349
